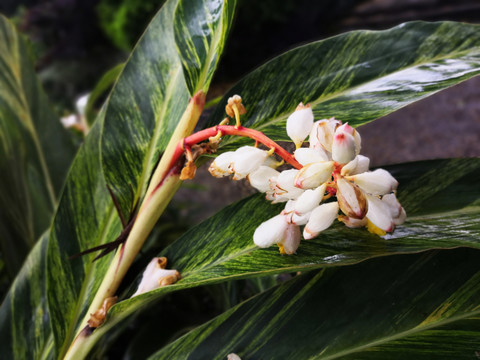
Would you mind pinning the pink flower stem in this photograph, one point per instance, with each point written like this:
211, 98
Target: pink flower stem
205, 134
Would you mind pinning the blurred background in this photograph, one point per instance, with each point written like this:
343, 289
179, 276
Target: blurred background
74, 42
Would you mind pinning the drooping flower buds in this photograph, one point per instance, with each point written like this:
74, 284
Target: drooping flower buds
313, 175
344, 147
246, 160
320, 219
299, 124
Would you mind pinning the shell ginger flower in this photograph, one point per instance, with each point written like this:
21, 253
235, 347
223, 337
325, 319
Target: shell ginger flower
331, 180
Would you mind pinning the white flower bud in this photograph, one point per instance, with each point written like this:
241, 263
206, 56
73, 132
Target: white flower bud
313, 175
285, 187
396, 210
299, 124
357, 166
260, 178
246, 160
309, 200
270, 232
300, 219
321, 136
351, 199
320, 219
343, 148
379, 214
156, 276
81, 104
307, 156
221, 165
291, 240
378, 182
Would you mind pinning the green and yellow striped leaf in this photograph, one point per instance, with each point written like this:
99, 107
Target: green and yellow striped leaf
121, 151
155, 87
421, 306
35, 152
222, 249
357, 76
24, 317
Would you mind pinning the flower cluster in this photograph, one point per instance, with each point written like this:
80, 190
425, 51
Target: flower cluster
333, 182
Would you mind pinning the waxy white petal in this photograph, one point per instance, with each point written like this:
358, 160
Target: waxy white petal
357, 166
270, 232
152, 276
353, 223
396, 210
285, 185
299, 125
309, 200
378, 182
320, 219
246, 160
315, 174
260, 178
351, 199
307, 155
300, 219
221, 165
291, 239
379, 214
343, 148
322, 133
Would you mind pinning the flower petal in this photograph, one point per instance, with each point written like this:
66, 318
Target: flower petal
378, 182
221, 165
309, 200
320, 219
379, 214
246, 160
307, 156
291, 239
322, 133
357, 166
260, 178
270, 232
313, 175
343, 148
285, 185
351, 199
299, 124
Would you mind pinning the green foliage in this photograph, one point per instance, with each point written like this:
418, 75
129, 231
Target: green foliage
35, 152
360, 295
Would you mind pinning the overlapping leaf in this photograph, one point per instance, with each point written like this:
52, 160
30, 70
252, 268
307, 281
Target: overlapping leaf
120, 151
24, 318
176, 56
358, 76
35, 152
221, 248
409, 306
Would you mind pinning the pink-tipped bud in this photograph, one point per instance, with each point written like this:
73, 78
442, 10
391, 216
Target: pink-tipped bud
321, 136
320, 219
379, 214
270, 232
299, 124
343, 148
378, 182
313, 175
309, 200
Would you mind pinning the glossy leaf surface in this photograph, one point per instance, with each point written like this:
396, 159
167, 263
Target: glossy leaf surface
221, 248
154, 89
35, 152
120, 151
409, 306
358, 76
